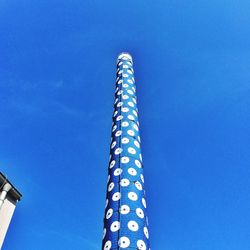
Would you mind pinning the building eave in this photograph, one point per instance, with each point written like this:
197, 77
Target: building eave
14, 193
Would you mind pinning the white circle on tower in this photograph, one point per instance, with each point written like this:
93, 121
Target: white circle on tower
115, 226
136, 127
114, 128
113, 144
140, 156
138, 185
144, 202
124, 242
119, 117
131, 150
124, 209
112, 164
131, 132
138, 163
142, 178
145, 230
107, 245
109, 213
130, 117
111, 186
117, 172
135, 113
119, 104
125, 140
125, 124
118, 133
131, 104
141, 245
132, 196
118, 151
124, 159
124, 182
116, 196
133, 225
132, 171
125, 109
137, 144
125, 97
139, 213
104, 233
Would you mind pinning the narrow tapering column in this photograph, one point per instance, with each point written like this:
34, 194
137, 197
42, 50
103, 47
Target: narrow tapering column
125, 219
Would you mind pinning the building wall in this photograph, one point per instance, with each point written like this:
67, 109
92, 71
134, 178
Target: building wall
6, 213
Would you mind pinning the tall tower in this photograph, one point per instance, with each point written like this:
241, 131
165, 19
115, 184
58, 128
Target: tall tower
125, 220
9, 196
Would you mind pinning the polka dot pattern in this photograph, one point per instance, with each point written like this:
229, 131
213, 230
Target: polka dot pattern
125, 220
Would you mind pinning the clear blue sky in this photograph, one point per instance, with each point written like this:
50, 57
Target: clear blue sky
57, 75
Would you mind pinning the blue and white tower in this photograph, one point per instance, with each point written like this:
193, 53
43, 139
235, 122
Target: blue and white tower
125, 220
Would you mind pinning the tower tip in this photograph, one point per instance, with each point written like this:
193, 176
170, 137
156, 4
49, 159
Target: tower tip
126, 55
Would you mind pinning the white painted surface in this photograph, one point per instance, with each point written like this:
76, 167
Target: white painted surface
6, 213
125, 54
